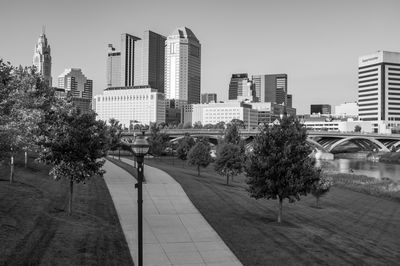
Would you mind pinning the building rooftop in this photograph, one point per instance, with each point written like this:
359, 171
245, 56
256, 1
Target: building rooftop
183, 32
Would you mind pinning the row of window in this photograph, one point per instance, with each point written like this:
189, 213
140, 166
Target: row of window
125, 97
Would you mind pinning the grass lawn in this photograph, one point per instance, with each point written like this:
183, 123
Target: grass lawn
35, 229
350, 228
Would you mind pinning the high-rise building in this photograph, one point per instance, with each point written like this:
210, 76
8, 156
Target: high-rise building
113, 67
182, 67
42, 58
208, 97
322, 109
271, 88
149, 61
127, 59
241, 88
75, 83
379, 89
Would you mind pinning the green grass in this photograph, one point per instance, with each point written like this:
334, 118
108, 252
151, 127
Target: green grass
36, 230
350, 228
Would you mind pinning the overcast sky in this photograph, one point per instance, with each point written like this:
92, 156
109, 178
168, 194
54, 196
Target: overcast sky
316, 42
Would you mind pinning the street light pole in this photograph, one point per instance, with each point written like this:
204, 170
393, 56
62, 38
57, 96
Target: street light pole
140, 148
140, 160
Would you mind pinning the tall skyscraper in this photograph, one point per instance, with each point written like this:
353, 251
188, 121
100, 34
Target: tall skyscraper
127, 59
113, 67
149, 61
241, 88
42, 58
271, 88
379, 88
182, 67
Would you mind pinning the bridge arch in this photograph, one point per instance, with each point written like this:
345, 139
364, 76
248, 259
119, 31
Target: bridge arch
352, 139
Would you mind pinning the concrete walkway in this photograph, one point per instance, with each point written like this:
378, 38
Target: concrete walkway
174, 232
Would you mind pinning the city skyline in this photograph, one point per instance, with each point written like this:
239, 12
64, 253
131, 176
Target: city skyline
316, 44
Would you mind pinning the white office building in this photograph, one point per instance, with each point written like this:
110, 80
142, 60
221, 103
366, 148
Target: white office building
347, 110
213, 113
182, 67
379, 89
126, 104
339, 126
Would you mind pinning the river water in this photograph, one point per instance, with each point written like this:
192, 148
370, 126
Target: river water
362, 167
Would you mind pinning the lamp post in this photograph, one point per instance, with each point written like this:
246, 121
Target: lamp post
140, 149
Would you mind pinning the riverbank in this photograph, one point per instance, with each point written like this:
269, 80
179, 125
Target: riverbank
36, 230
350, 228
383, 188
390, 157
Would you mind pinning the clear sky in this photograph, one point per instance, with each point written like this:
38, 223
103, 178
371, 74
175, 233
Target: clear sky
316, 42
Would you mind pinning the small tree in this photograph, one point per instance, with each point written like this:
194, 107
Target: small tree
279, 166
320, 188
232, 134
199, 155
115, 133
73, 143
220, 125
229, 161
198, 124
357, 128
184, 146
158, 140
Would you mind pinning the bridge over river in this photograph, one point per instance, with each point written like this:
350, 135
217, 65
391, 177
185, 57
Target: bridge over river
325, 141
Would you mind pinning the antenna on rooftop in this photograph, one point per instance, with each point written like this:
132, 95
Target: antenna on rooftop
44, 29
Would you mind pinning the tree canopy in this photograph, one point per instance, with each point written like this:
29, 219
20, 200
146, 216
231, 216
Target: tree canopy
229, 160
199, 155
158, 140
72, 144
184, 146
279, 167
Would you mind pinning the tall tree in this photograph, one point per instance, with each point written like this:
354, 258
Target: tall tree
72, 143
279, 166
229, 160
24, 98
199, 155
184, 146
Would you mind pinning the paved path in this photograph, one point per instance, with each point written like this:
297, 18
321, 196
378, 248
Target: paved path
174, 232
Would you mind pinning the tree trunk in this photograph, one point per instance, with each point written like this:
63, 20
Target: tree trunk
280, 210
71, 191
227, 179
198, 170
12, 170
317, 201
26, 159
12, 174
119, 153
